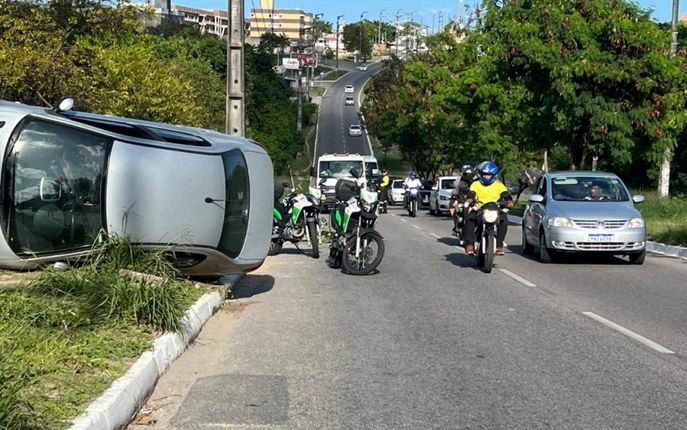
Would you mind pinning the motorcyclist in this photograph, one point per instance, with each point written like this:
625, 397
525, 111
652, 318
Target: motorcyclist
461, 193
486, 190
412, 181
384, 185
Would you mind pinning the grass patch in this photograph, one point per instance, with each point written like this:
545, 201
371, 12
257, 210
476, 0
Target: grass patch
666, 219
66, 336
317, 91
322, 69
332, 76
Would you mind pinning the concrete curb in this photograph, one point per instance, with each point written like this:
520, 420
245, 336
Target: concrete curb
653, 247
115, 408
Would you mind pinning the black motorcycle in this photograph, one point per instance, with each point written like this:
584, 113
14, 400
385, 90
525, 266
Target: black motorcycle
485, 237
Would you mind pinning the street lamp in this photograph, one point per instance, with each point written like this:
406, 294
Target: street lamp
360, 40
398, 16
379, 31
337, 41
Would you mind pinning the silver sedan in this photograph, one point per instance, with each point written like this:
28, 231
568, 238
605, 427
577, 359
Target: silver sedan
583, 212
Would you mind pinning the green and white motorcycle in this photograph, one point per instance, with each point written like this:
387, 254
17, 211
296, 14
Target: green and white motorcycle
356, 245
297, 221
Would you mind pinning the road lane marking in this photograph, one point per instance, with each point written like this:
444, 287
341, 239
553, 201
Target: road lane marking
629, 333
517, 278
414, 226
435, 236
403, 220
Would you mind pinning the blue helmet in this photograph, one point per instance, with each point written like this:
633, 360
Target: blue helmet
488, 168
413, 174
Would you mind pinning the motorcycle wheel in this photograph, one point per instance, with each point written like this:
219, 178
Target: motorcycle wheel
334, 260
275, 247
489, 255
312, 232
368, 259
413, 206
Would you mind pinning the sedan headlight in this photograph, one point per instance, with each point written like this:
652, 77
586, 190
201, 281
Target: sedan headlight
560, 222
636, 223
443, 198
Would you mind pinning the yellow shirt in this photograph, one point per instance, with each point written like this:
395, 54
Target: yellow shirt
385, 181
487, 193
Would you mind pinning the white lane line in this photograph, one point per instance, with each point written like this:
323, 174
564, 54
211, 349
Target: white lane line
416, 227
435, 236
403, 220
517, 278
629, 333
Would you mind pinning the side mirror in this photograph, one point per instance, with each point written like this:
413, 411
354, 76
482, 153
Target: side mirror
322, 181
638, 198
50, 189
536, 198
354, 173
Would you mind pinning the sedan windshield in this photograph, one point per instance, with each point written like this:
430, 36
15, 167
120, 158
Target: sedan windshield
581, 188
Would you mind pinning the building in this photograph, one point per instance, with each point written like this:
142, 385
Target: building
295, 24
210, 21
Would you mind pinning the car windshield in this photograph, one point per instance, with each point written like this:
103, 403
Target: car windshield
339, 169
397, 184
448, 184
585, 188
355, 127
53, 184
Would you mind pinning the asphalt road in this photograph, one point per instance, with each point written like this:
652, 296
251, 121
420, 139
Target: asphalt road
335, 117
430, 342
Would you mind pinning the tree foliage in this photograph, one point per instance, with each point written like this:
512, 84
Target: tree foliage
586, 80
107, 60
359, 37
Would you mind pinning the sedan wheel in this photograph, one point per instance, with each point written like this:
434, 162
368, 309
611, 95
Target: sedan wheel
545, 254
527, 248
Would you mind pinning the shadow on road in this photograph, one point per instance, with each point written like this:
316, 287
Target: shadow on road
252, 285
450, 241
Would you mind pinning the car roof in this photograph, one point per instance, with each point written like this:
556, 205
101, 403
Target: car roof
582, 173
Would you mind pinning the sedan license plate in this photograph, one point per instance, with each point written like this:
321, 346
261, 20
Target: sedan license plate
601, 237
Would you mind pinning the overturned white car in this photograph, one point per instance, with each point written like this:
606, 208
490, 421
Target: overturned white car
68, 175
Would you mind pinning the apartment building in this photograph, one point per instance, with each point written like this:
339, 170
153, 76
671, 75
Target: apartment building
210, 21
295, 24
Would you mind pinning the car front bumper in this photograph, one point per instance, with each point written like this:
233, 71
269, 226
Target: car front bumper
625, 240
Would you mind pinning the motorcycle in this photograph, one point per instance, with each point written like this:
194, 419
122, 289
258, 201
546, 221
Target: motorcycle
356, 245
383, 202
412, 196
485, 237
458, 214
297, 221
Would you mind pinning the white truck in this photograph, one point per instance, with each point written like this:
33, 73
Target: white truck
332, 167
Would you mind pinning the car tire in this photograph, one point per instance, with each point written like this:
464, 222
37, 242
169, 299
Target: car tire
638, 258
527, 248
431, 211
546, 255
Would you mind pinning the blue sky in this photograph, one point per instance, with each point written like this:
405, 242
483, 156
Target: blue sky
351, 9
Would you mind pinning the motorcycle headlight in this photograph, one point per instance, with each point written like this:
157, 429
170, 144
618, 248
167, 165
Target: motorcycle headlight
490, 216
636, 223
560, 222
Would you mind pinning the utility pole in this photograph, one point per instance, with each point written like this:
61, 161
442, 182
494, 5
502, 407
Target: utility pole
299, 124
664, 176
441, 21
360, 37
398, 16
379, 30
337, 41
235, 106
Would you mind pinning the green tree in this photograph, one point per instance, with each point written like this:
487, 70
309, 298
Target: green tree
356, 32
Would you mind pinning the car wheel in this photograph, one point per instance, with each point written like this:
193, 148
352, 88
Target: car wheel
546, 255
527, 248
431, 211
638, 258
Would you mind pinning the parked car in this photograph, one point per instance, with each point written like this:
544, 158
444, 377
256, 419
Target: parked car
349, 101
441, 194
349, 89
590, 212
355, 130
397, 191
67, 176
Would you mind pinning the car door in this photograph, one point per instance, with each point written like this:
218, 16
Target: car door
535, 212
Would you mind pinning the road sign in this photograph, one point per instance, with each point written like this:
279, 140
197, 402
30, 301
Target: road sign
291, 63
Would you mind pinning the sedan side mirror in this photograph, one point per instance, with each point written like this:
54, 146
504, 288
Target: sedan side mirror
536, 198
322, 181
638, 199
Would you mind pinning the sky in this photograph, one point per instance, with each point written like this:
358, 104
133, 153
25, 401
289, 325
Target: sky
424, 9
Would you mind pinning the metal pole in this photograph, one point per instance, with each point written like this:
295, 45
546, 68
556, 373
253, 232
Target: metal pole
337, 41
360, 37
235, 106
379, 31
664, 176
398, 16
299, 124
